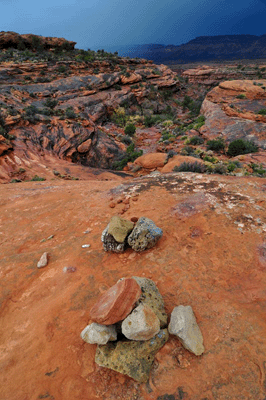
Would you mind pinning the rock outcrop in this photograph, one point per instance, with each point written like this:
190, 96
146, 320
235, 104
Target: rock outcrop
16, 41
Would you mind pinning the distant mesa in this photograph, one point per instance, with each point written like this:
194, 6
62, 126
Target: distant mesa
35, 42
202, 48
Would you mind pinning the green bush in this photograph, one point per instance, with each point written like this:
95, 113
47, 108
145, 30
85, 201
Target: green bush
241, 96
130, 156
130, 129
262, 111
70, 113
258, 169
241, 146
190, 167
50, 103
195, 140
216, 145
37, 178
219, 168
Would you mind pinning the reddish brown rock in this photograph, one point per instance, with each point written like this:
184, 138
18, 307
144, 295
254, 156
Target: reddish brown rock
116, 303
151, 160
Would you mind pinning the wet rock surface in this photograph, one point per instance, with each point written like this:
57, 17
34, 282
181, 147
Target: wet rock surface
133, 358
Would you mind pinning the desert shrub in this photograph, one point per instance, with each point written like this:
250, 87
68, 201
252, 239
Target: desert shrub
258, 169
200, 121
219, 168
70, 113
61, 69
126, 140
209, 159
50, 103
150, 120
130, 156
216, 145
241, 146
31, 110
119, 116
194, 106
187, 151
130, 129
190, 167
195, 140
241, 96
37, 178
262, 111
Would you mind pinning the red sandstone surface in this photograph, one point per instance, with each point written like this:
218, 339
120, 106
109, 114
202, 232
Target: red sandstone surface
211, 256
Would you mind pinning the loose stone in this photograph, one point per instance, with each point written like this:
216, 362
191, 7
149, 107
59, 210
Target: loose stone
116, 303
133, 358
141, 324
144, 235
183, 324
99, 334
43, 261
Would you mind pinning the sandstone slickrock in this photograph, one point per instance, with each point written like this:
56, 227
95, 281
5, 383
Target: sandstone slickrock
144, 235
133, 358
151, 297
99, 334
141, 324
151, 160
115, 304
43, 261
183, 324
119, 228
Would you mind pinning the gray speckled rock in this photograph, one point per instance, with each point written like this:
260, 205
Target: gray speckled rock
133, 358
141, 324
99, 334
144, 235
110, 244
183, 324
152, 297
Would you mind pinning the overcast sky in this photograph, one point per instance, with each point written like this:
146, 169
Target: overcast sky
103, 23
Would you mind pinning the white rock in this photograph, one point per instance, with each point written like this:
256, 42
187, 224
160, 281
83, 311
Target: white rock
141, 324
43, 260
99, 334
183, 324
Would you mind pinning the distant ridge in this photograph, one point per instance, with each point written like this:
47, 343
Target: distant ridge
202, 48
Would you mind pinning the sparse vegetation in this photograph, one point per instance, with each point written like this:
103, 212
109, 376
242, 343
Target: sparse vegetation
216, 145
131, 155
241, 146
130, 129
190, 167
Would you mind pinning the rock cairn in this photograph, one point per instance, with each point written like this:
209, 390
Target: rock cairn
121, 233
130, 326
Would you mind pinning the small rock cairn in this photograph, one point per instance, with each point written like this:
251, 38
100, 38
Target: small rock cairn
129, 320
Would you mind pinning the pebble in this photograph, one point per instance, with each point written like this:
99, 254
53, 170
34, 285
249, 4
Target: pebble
43, 261
85, 246
69, 269
99, 334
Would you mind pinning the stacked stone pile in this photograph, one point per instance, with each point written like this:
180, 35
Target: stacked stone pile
121, 233
129, 325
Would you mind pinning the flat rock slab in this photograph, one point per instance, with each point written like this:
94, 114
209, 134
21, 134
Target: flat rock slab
116, 303
132, 358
